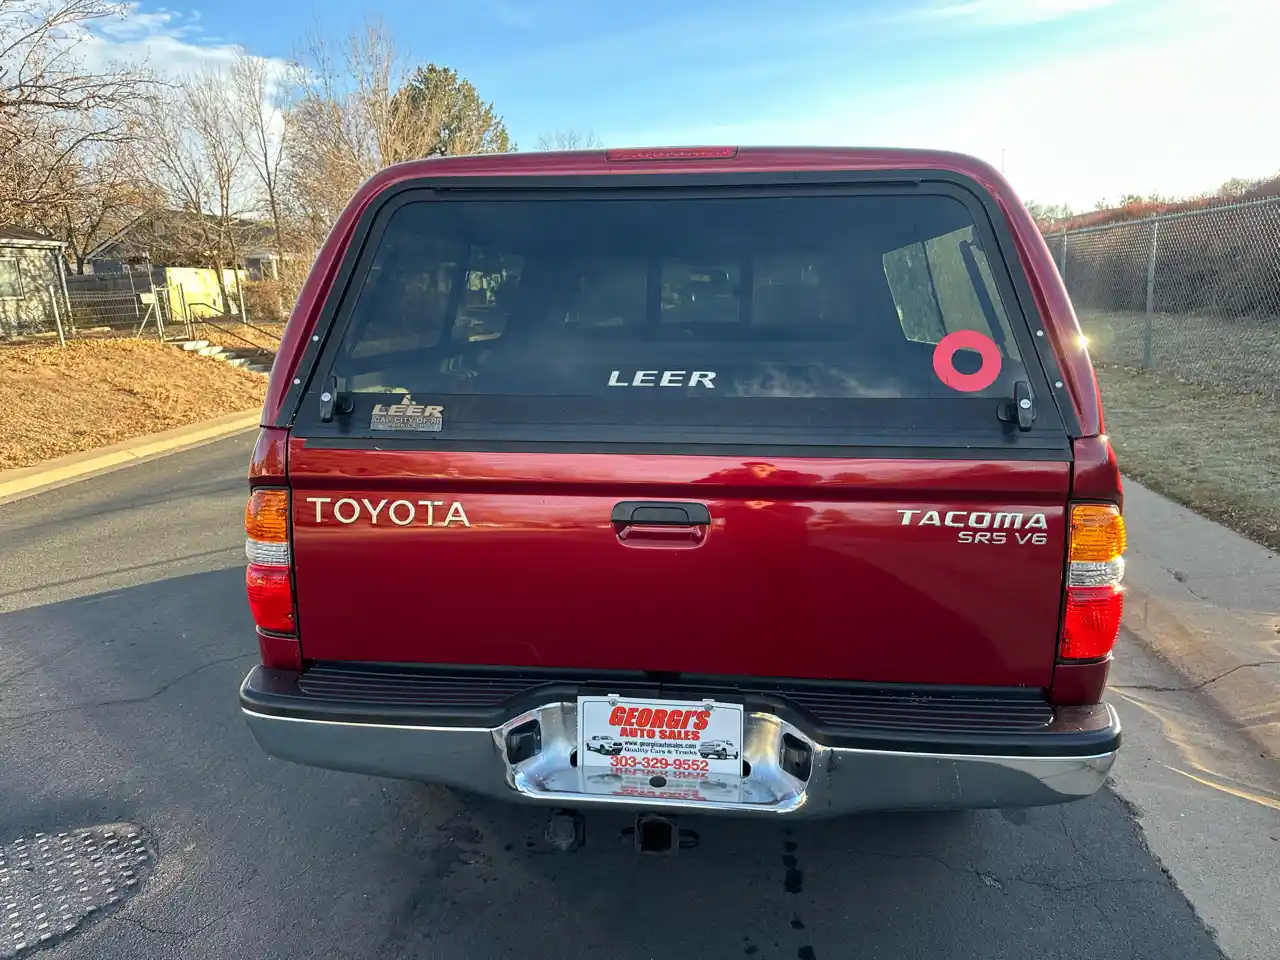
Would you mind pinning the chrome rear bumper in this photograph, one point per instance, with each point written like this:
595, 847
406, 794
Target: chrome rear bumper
839, 780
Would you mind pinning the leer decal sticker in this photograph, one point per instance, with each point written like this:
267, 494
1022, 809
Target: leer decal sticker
663, 378
407, 415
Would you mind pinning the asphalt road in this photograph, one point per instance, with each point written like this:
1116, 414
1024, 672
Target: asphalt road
124, 635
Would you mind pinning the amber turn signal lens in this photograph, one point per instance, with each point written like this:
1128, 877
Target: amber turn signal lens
1097, 532
266, 516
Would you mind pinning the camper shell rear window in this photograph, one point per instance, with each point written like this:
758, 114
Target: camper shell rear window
821, 319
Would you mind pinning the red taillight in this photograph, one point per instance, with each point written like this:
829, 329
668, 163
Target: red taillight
1095, 567
270, 597
1091, 622
269, 577
671, 153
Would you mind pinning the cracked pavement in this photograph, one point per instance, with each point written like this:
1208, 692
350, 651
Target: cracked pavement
1203, 683
124, 634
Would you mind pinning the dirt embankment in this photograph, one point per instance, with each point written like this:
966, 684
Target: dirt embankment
59, 400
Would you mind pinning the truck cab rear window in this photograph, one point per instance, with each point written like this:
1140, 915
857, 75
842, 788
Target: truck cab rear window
693, 312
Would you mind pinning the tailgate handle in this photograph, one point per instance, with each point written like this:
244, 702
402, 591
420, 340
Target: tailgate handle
660, 513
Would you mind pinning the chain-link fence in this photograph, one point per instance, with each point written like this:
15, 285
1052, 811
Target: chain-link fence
72, 308
136, 305
164, 313
1194, 294
120, 312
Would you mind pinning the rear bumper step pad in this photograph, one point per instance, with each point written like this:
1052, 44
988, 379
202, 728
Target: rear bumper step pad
852, 715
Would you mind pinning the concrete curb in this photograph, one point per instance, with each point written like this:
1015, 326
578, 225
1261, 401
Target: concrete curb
1229, 658
1203, 600
26, 481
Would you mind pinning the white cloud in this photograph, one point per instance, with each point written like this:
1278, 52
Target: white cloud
166, 41
134, 22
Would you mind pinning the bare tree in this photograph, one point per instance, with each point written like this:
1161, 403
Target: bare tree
100, 193
262, 132
53, 108
198, 168
569, 139
362, 105
336, 129
1046, 213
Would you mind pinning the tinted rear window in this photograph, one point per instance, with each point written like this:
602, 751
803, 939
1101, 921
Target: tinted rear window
713, 315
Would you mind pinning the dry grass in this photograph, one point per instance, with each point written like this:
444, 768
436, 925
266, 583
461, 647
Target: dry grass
57, 401
1242, 353
1214, 450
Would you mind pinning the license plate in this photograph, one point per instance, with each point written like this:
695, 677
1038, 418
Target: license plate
702, 788
671, 739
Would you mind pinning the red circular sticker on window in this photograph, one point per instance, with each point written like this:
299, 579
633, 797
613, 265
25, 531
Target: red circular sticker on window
944, 353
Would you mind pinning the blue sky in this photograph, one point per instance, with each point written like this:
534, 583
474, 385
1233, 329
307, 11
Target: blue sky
1083, 98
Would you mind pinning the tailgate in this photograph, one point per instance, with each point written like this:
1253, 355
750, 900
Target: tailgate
699, 431
858, 570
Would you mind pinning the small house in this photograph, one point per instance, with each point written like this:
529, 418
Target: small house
172, 238
31, 288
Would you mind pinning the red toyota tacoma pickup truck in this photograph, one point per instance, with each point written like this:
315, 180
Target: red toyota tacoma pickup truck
740, 481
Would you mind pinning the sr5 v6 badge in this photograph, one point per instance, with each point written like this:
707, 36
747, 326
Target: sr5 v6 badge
984, 526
